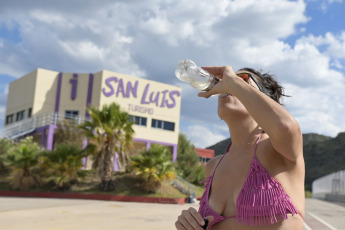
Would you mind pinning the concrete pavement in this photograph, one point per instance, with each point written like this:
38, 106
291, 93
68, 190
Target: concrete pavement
63, 214
68, 214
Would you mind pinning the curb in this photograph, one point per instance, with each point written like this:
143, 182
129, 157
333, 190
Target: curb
106, 197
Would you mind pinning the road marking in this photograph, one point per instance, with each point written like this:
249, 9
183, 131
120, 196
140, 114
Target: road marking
322, 221
306, 227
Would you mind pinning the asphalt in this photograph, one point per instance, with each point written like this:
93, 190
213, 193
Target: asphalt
70, 214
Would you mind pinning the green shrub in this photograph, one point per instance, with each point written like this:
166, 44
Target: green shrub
154, 165
5, 145
23, 161
64, 164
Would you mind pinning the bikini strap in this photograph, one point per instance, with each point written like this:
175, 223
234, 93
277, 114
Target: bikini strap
228, 148
217, 165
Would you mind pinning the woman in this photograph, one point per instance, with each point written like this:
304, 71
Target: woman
259, 182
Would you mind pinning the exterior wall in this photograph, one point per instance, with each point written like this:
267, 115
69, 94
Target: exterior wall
36, 90
144, 98
45, 91
74, 92
333, 183
96, 90
21, 95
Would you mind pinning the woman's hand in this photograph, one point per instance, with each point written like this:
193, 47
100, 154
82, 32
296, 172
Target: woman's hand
226, 75
190, 219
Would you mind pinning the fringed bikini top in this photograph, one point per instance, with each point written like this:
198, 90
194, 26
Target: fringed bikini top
262, 200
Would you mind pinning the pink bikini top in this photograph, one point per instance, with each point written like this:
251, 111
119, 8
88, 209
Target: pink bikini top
262, 199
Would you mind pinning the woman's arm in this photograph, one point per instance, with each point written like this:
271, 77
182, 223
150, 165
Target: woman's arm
274, 119
283, 130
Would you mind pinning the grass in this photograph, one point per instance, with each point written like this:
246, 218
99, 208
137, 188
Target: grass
126, 184
308, 194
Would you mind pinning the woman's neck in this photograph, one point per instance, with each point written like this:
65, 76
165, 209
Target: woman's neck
243, 130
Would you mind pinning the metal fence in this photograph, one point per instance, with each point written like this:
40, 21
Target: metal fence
184, 186
28, 125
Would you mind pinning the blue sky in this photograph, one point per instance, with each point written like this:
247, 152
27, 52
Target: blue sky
325, 20
301, 42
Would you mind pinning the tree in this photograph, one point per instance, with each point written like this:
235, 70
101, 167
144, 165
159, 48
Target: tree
5, 145
23, 160
69, 133
110, 131
154, 165
188, 166
64, 163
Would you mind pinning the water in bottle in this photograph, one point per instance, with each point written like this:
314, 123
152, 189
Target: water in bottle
198, 78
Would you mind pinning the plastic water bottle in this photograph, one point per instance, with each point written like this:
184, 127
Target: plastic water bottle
198, 78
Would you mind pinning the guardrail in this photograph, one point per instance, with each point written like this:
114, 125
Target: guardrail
29, 125
184, 186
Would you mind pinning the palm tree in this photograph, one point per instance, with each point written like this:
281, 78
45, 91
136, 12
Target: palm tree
5, 145
154, 165
64, 163
23, 160
110, 131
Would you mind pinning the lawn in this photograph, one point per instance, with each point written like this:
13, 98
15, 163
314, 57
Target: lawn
125, 184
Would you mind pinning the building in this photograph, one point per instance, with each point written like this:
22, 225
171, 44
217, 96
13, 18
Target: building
39, 100
204, 154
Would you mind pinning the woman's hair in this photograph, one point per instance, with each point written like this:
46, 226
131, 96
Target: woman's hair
269, 85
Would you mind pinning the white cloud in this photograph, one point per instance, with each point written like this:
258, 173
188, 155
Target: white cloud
4, 89
318, 91
202, 136
47, 17
71, 42
3, 99
335, 44
205, 23
318, 110
147, 38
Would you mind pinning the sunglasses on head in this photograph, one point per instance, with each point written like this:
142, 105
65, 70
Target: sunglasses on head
246, 76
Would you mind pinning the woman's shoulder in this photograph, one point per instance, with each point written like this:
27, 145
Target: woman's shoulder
271, 154
211, 165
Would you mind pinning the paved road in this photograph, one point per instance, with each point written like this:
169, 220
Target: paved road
324, 215
66, 214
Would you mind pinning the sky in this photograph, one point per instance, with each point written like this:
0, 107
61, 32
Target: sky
301, 42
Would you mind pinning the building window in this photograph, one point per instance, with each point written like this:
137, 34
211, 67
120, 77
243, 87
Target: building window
20, 115
9, 119
71, 114
204, 159
142, 121
29, 112
166, 125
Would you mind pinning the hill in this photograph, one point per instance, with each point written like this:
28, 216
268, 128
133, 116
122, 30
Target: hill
220, 147
322, 154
